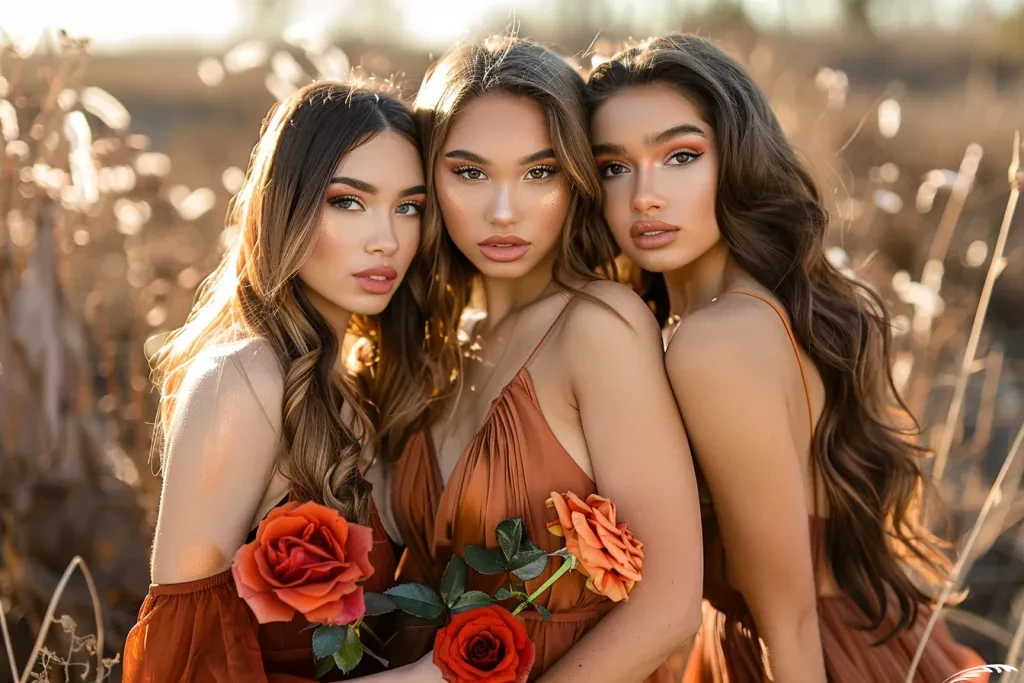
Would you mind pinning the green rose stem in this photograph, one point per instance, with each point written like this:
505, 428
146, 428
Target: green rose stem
570, 563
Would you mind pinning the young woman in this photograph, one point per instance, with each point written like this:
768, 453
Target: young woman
256, 405
780, 366
564, 389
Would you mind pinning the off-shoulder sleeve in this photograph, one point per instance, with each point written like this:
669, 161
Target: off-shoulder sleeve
197, 632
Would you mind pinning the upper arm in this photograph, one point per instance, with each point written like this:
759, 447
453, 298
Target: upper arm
634, 433
727, 368
219, 457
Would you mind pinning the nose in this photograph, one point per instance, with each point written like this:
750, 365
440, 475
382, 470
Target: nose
384, 240
646, 199
501, 212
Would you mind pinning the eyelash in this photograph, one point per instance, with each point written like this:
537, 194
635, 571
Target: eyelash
339, 200
463, 170
693, 156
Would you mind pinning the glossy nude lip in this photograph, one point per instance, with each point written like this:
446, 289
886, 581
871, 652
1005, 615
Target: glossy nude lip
377, 280
653, 234
504, 248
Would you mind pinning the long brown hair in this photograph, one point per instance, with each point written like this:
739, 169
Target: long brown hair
521, 68
771, 217
255, 293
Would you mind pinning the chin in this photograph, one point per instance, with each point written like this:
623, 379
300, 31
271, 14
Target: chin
660, 261
509, 270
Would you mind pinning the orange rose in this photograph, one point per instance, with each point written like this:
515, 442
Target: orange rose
306, 558
606, 552
484, 645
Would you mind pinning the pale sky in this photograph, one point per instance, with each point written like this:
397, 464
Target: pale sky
115, 25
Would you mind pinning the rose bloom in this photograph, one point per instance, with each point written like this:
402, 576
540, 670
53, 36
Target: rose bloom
484, 645
605, 551
306, 558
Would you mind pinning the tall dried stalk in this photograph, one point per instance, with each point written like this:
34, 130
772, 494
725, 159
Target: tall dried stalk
995, 494
994, 269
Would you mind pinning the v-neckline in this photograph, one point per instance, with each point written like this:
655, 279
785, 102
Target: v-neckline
526, 378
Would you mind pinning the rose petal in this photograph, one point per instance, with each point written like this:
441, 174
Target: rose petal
282, 527
576, 503
586, 535
555, 528
357, 550
245, 571
268, 608
307, 603
345, 611
594, 558
562, 510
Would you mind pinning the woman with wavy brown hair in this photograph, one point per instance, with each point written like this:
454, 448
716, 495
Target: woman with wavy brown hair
816, 564
563, 387
257, 404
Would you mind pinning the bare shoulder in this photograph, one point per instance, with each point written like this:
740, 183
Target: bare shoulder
623, 312
245, 375
736, 334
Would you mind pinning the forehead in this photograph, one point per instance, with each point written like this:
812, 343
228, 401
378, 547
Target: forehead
387, 160
500, 126
641, 110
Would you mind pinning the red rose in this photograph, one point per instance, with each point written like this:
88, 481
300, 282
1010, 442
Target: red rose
306, 558
484, 645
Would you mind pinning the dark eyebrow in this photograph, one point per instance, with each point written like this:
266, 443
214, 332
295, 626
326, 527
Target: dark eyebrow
357, 184
416, 189
673, 132
466, 155
606, 148
537, 156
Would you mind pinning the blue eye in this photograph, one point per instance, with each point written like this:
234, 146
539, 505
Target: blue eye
347, 202
409, 209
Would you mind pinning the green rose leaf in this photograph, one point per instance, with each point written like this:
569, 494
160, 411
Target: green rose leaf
328, 639
350, 654
528, 564
453, 584
502, 594
485, 561
510, 535
417, 600
544, 613
323, 667
377, 604
471, 600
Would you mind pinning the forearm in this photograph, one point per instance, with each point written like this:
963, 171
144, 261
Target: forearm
631, 642
794, 650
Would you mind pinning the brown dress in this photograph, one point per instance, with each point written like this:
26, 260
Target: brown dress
202, 632
728, 649
508, 470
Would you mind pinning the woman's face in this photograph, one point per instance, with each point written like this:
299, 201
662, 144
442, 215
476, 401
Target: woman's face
658, 161
369, 229
502, 194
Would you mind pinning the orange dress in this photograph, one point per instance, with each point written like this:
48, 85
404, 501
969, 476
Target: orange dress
508, 470
728, 649
202, 632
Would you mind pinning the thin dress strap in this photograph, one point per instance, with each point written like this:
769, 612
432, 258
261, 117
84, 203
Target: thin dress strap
807, 398
547, 332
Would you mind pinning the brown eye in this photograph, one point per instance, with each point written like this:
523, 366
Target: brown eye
469, 173
613, 169
539, 173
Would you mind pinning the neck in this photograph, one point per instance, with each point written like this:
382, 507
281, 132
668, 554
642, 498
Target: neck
697, 284
505, 296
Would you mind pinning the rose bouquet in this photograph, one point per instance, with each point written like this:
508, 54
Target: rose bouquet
482, 642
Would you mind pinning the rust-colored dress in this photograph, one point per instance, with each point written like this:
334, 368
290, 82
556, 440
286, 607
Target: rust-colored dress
202, 632
508, 470
728, 649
